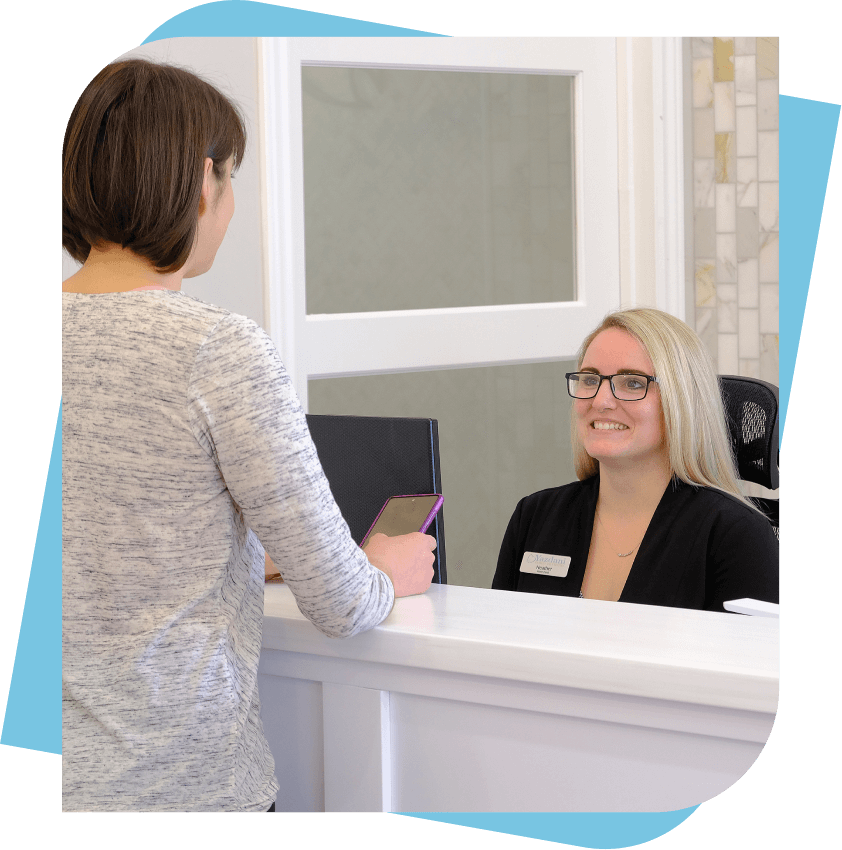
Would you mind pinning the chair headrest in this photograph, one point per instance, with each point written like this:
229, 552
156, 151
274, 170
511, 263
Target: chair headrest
751, 411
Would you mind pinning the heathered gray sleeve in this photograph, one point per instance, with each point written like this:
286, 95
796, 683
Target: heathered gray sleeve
244, 412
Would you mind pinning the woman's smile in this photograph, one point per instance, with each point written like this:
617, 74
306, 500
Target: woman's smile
601, 425
615, 431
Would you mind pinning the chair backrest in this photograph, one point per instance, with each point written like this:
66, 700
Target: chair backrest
751, 410
367, 459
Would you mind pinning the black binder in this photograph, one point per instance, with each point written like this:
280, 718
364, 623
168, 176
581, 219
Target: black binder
367, 459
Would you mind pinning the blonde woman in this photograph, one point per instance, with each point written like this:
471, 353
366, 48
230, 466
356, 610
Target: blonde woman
656, 516
185, 452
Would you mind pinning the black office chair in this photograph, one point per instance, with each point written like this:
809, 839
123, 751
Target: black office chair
367, 459
751, 410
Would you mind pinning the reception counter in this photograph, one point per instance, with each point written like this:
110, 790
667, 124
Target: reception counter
466, 699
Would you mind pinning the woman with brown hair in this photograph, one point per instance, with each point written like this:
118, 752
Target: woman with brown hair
657, 516
185, 452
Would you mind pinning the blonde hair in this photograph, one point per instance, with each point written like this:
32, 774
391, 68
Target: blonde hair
694, 416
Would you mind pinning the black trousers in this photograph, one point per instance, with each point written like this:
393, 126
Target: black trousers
271, 808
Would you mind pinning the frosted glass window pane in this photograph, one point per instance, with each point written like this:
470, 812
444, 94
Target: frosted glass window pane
436, 189
504, 432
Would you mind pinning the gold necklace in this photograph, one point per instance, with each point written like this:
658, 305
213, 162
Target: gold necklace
619, 554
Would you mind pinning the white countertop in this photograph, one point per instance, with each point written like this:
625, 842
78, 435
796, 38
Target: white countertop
699, 657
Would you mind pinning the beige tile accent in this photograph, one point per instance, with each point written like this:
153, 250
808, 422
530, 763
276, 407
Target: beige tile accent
749, 345
768, 207
726, 258
703, 134
726, 157
767, 155
703, 173
748, 239
747, 131
704, 232
768, 257
767, 104
745, 81
727, 356
744, 46
705, 284
726, 308
723, 60
723, 108
702, 47
747, 181
767, 58
702, 83
726, 208
750, 368
747, 283
769, 317
769, 371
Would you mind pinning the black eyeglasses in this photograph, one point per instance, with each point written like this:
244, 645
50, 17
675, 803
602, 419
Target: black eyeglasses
625, 387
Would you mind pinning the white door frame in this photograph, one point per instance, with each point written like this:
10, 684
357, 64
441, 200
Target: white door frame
415, 340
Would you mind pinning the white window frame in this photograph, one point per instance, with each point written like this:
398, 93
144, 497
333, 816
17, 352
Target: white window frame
338, 345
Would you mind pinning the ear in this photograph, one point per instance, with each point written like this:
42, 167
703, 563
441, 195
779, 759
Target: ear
207, 186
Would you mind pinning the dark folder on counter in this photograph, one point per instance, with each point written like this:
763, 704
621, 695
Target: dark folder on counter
367, 459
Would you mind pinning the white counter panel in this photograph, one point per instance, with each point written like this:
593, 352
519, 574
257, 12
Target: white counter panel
477, 700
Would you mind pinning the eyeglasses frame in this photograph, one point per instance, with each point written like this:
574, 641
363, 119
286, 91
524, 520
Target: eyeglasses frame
650, 379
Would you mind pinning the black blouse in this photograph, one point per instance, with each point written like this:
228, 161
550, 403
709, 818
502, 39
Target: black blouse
702, 547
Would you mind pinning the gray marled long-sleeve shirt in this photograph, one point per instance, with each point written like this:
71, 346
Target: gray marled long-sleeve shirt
183, 446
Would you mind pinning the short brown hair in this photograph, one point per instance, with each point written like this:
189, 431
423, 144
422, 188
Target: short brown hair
133, 160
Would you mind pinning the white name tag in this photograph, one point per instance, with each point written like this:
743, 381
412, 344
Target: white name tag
545, 565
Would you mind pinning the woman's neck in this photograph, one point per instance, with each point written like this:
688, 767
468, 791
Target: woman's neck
633, 490
115, 269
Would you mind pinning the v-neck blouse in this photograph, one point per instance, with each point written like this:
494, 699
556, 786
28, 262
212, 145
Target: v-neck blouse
702, 547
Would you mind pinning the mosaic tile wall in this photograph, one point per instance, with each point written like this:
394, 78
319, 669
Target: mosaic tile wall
735, 198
